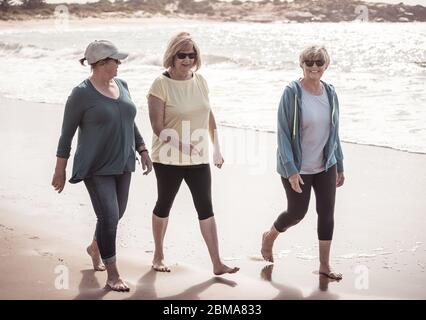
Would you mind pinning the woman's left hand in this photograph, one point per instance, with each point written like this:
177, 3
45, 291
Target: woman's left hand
340, 180
218, 159
146, 163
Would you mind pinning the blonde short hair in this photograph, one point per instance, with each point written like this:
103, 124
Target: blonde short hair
177, 43
314, 53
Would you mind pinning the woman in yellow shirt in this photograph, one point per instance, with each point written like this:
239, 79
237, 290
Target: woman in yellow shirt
182, 120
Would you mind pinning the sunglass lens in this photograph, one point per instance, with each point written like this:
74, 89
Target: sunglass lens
319, 63
182, 55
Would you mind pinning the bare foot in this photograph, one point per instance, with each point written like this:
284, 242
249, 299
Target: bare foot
329, 273
221, 269
159, 265
96, 258
266, 250
117, 285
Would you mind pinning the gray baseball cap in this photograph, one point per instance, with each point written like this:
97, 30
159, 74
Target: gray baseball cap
102, 49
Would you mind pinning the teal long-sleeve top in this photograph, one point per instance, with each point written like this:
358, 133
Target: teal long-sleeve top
107, 133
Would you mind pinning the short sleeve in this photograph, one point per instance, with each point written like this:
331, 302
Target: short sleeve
204, 84
157, 90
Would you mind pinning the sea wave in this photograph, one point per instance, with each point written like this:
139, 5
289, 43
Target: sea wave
29, 51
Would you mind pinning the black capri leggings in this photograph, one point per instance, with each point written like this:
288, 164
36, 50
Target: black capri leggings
169, 179
324, 185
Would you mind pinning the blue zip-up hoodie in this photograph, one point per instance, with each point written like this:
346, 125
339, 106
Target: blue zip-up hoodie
289, 154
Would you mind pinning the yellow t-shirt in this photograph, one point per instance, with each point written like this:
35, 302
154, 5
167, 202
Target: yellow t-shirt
187, 110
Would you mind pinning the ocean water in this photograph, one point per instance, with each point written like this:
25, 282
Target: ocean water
378, 69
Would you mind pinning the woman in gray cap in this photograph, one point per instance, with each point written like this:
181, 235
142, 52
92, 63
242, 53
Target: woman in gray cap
102, 109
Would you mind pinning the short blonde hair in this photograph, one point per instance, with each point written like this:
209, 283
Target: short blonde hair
314, 53
177, 43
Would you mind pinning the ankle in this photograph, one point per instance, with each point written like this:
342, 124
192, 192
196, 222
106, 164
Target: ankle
158, 256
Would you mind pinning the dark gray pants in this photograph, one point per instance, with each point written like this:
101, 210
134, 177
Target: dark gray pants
109, 196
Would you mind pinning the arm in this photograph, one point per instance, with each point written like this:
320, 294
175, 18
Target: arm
340, 180
143, 151
284, 143
59, 176
139, 142
214, 137
156, 115
72, 117
284, 136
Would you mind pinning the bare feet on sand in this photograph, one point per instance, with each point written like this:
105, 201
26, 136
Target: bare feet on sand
221, 269
266, 250
93, 252
328, 272
159, 265
117, 285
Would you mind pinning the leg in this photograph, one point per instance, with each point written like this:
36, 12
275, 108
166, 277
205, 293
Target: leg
325, 268
198, 180
103, 193
159, 227
169, 179
93, 251
324, 185
209, 232
123, 185
297, 206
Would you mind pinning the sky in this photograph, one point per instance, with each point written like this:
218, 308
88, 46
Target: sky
409, 2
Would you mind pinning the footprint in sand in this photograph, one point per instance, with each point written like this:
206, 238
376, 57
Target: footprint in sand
5, 227
44, 253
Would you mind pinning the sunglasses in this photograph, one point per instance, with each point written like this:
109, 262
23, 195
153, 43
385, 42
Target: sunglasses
106, 60
310, 63
181, 55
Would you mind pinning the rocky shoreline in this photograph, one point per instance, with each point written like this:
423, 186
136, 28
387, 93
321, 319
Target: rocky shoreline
265, 11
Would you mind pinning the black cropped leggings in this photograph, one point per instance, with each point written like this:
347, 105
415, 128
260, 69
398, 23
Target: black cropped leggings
169, 179
324, 185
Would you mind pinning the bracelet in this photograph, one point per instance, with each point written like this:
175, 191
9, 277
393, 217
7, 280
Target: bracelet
143, 150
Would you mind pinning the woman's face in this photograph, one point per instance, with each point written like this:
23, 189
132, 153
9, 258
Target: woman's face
313, 69
185, 59
109, 67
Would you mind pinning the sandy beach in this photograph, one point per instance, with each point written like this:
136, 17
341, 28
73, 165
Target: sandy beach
379, 239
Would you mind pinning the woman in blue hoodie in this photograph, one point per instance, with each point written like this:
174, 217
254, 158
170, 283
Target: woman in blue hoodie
309, 154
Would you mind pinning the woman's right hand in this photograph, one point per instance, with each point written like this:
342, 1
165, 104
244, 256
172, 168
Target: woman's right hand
58, 181
295, 181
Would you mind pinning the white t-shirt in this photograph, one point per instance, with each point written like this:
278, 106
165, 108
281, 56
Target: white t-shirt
315, 131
